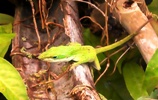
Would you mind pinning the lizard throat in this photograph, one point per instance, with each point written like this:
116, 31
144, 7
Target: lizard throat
58, 60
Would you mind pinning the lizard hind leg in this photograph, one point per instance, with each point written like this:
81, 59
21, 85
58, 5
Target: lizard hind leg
78, 62
75, 64
97, 64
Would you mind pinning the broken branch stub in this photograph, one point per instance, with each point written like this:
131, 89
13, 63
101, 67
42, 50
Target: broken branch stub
132, 18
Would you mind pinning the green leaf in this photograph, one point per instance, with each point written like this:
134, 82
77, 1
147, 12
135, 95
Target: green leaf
154, 94
5, 19
145, 98
151, 73
154, 23
7, 28
11, 83
153, 7
115, 57
102, 97
89, 38
113, 87
5, 38
134, 78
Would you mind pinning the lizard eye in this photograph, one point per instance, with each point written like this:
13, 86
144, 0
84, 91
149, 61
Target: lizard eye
54, 57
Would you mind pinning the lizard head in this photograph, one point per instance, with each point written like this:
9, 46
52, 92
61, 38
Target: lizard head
56, 54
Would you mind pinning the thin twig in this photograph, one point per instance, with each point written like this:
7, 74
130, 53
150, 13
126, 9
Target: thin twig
105, 32
92, 6
112, 54
35, 25
120, 59
107, 65
123, 54
56, 24
93, 21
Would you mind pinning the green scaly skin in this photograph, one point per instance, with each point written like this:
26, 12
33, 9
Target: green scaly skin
78, 53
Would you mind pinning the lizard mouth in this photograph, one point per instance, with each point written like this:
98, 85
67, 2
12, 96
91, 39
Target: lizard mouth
48, 59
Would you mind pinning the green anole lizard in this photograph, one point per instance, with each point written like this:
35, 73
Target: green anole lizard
81, 54
78, 53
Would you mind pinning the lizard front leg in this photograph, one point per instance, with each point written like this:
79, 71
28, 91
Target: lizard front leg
97, 64
75, 64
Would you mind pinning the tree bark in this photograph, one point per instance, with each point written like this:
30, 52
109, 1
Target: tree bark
132, 18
